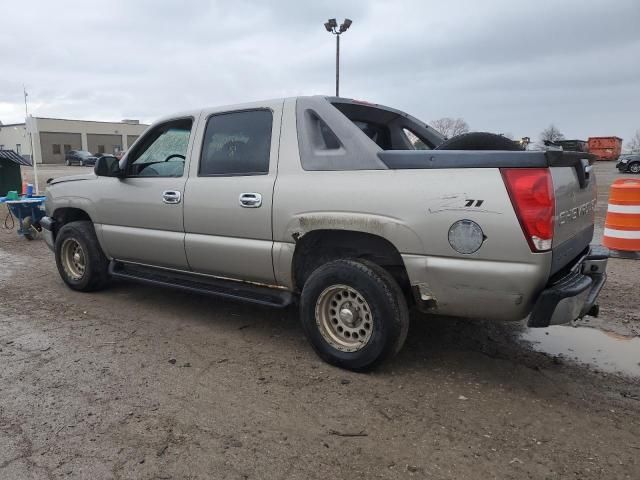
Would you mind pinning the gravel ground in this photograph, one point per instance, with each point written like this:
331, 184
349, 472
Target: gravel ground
141, 382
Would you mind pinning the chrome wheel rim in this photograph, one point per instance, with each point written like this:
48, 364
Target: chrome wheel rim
635, 168
74, 259
344, 318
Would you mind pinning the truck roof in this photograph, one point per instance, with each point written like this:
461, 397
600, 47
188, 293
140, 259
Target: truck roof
247, 105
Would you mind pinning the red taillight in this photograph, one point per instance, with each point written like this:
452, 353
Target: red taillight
531, 192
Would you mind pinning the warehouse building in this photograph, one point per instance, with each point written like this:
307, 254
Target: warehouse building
53, 137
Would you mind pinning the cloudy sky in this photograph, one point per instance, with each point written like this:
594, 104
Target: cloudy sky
503, 65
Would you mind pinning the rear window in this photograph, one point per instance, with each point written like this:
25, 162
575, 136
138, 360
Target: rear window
389, 129
375, 131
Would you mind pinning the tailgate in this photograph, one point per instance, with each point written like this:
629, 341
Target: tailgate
575, 196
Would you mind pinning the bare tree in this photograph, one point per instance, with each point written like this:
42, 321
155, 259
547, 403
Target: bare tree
450, 127
550, 134
634, 143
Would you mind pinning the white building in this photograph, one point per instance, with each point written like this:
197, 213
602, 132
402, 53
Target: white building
52, 137
14, 137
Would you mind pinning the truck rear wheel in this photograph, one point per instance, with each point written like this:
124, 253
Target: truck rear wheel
354, 314
80, 260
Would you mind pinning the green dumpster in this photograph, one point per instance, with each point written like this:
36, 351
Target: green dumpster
10, 176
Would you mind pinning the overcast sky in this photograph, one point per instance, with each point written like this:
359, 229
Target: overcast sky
504, 66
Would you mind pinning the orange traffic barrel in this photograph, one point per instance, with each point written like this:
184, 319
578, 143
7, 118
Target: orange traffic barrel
622, 225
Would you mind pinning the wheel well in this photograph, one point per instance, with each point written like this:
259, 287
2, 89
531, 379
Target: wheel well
321, 246
69, 214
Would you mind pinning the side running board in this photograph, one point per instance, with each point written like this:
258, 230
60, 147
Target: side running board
231, 289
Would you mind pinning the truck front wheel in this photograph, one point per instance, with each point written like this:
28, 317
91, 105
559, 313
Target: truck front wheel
80, 260
354, 314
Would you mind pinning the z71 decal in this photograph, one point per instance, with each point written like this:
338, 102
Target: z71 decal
457, 202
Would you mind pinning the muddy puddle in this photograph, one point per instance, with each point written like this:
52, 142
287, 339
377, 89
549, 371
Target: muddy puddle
608, 352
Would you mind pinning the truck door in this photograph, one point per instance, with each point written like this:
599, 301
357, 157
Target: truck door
140, 216
228, 198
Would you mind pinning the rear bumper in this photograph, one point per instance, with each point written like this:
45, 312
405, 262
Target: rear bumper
573, 295
474, 288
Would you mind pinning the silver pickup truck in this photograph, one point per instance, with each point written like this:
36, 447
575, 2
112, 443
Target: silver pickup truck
355, 211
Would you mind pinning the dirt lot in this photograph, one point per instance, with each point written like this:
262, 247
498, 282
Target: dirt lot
140, 382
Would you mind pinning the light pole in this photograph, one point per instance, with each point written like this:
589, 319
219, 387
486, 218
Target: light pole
27, 127
332, 27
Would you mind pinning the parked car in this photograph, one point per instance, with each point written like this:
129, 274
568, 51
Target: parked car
325, 202
79, 157
99, 155
629, 163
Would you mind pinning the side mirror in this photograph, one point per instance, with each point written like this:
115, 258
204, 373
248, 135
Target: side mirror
107, 166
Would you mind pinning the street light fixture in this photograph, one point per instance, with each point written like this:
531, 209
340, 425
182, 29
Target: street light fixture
332, 27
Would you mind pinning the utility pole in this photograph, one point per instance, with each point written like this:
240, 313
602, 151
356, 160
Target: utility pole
332, 27
27, 127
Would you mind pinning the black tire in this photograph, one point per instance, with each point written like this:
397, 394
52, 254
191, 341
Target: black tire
387, 304
479, 141
634, 166
96, 265
67, 163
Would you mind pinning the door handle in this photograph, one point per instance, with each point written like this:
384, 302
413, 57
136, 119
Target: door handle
250, 200
171, 196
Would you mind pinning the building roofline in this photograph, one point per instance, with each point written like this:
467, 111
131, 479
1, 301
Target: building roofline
92, 121
2, 125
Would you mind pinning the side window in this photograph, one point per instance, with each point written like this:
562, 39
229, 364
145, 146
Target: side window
162, 152
237, 143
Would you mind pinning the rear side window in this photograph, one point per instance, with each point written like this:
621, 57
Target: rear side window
237, 143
